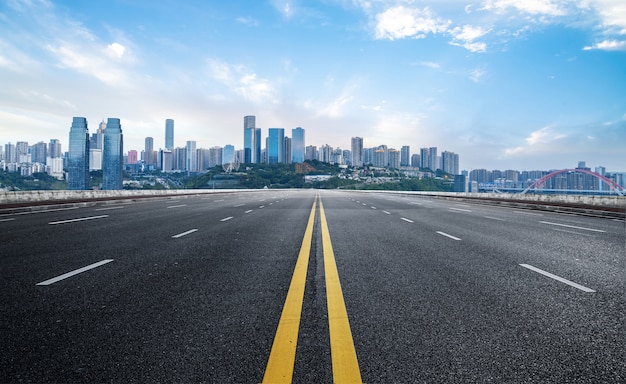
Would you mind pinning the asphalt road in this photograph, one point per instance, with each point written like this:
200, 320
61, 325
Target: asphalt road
192, 290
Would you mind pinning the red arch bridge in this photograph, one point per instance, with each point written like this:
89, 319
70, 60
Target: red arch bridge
618, 189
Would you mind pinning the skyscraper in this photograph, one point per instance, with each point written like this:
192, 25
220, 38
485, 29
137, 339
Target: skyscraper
192, 158
78, 160
257, 145
405, 156
357, 152
249, 139
276, 146
113, 155
169, 134
54, 149
149, 155
297, 145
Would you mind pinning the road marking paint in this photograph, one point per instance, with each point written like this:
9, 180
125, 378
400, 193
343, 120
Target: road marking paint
363, 204
109, 208
248, 211
459, 210
558, 278
271, 203
41, 211
262, 206
494, 218
282, 358
389, 213
407, 220
238, 205
572, 226
75, 272
227, 218
415, 203
447, 235
374, 208
528, 213
184, 233
177, 206
463, 205
575, 233
80, 219
343, 354
1, 220
217, 201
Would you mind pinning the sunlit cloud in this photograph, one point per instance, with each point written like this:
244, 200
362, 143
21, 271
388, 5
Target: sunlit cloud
402, 22
242, 81
533, 7
608, 45
116, 50
540, 139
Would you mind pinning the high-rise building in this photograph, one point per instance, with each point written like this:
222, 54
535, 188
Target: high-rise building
357, 152
450, 162
149, 152
287, 150
276, 146
394, 158
310, 152
78, 160
192, 159
424, 155
10, 153
405, 156
257, 146
433, 163
21, 150
326, 153
54, 149
132, 157
169, 134
249, 139
415, 160
39, 152
113, 155
228, 154
297, 145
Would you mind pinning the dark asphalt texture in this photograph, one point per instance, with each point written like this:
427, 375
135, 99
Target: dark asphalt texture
434, 291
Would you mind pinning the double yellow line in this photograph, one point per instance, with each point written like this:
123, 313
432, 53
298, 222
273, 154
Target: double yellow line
282, 358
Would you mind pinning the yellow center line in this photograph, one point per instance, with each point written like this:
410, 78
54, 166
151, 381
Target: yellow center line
282, 358
343, 355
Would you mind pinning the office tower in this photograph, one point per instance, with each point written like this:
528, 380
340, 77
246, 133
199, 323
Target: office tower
310, 152
39, 152
215, 156
257, 146
228, 154
192, 160
450, 162
297, 145
287, 150
179, 159
326, 153
149, 152
433, 163
9, 153
276, 146
21, 151
249, 139
405, 156
113, 155
54, 149
424, 154
357, 152
78, 160
169, 134
165, 160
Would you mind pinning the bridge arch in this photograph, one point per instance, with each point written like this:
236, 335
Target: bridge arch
614, 186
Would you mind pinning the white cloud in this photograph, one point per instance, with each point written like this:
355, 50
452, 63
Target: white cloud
465, 36
612, 13
248, 21
533, 7
608, 45
402, 22
116, 50
242, 81
538, 140
477, 75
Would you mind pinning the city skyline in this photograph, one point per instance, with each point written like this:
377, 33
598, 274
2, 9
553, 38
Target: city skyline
509, 84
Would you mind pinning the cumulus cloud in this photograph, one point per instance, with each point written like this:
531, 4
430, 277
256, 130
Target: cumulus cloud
116, 50
465, 37
402, 22
608, 45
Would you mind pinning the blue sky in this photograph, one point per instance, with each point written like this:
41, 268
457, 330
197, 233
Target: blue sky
506, 84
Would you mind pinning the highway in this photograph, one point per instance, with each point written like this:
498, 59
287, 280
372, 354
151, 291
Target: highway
326, 285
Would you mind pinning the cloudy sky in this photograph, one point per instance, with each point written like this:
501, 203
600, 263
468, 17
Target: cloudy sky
521, 84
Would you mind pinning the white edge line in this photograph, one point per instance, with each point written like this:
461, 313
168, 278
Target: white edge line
177, 206
450, 236
227, 218
75, 220
558, 278
184, 233
459, 210
74, 272
42, 211
3, 220
407, 220
573, 226
248, 211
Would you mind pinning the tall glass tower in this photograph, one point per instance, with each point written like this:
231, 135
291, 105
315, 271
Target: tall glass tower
276, 146
78, 161
249, 136
169, 134
113, 155
297, 145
